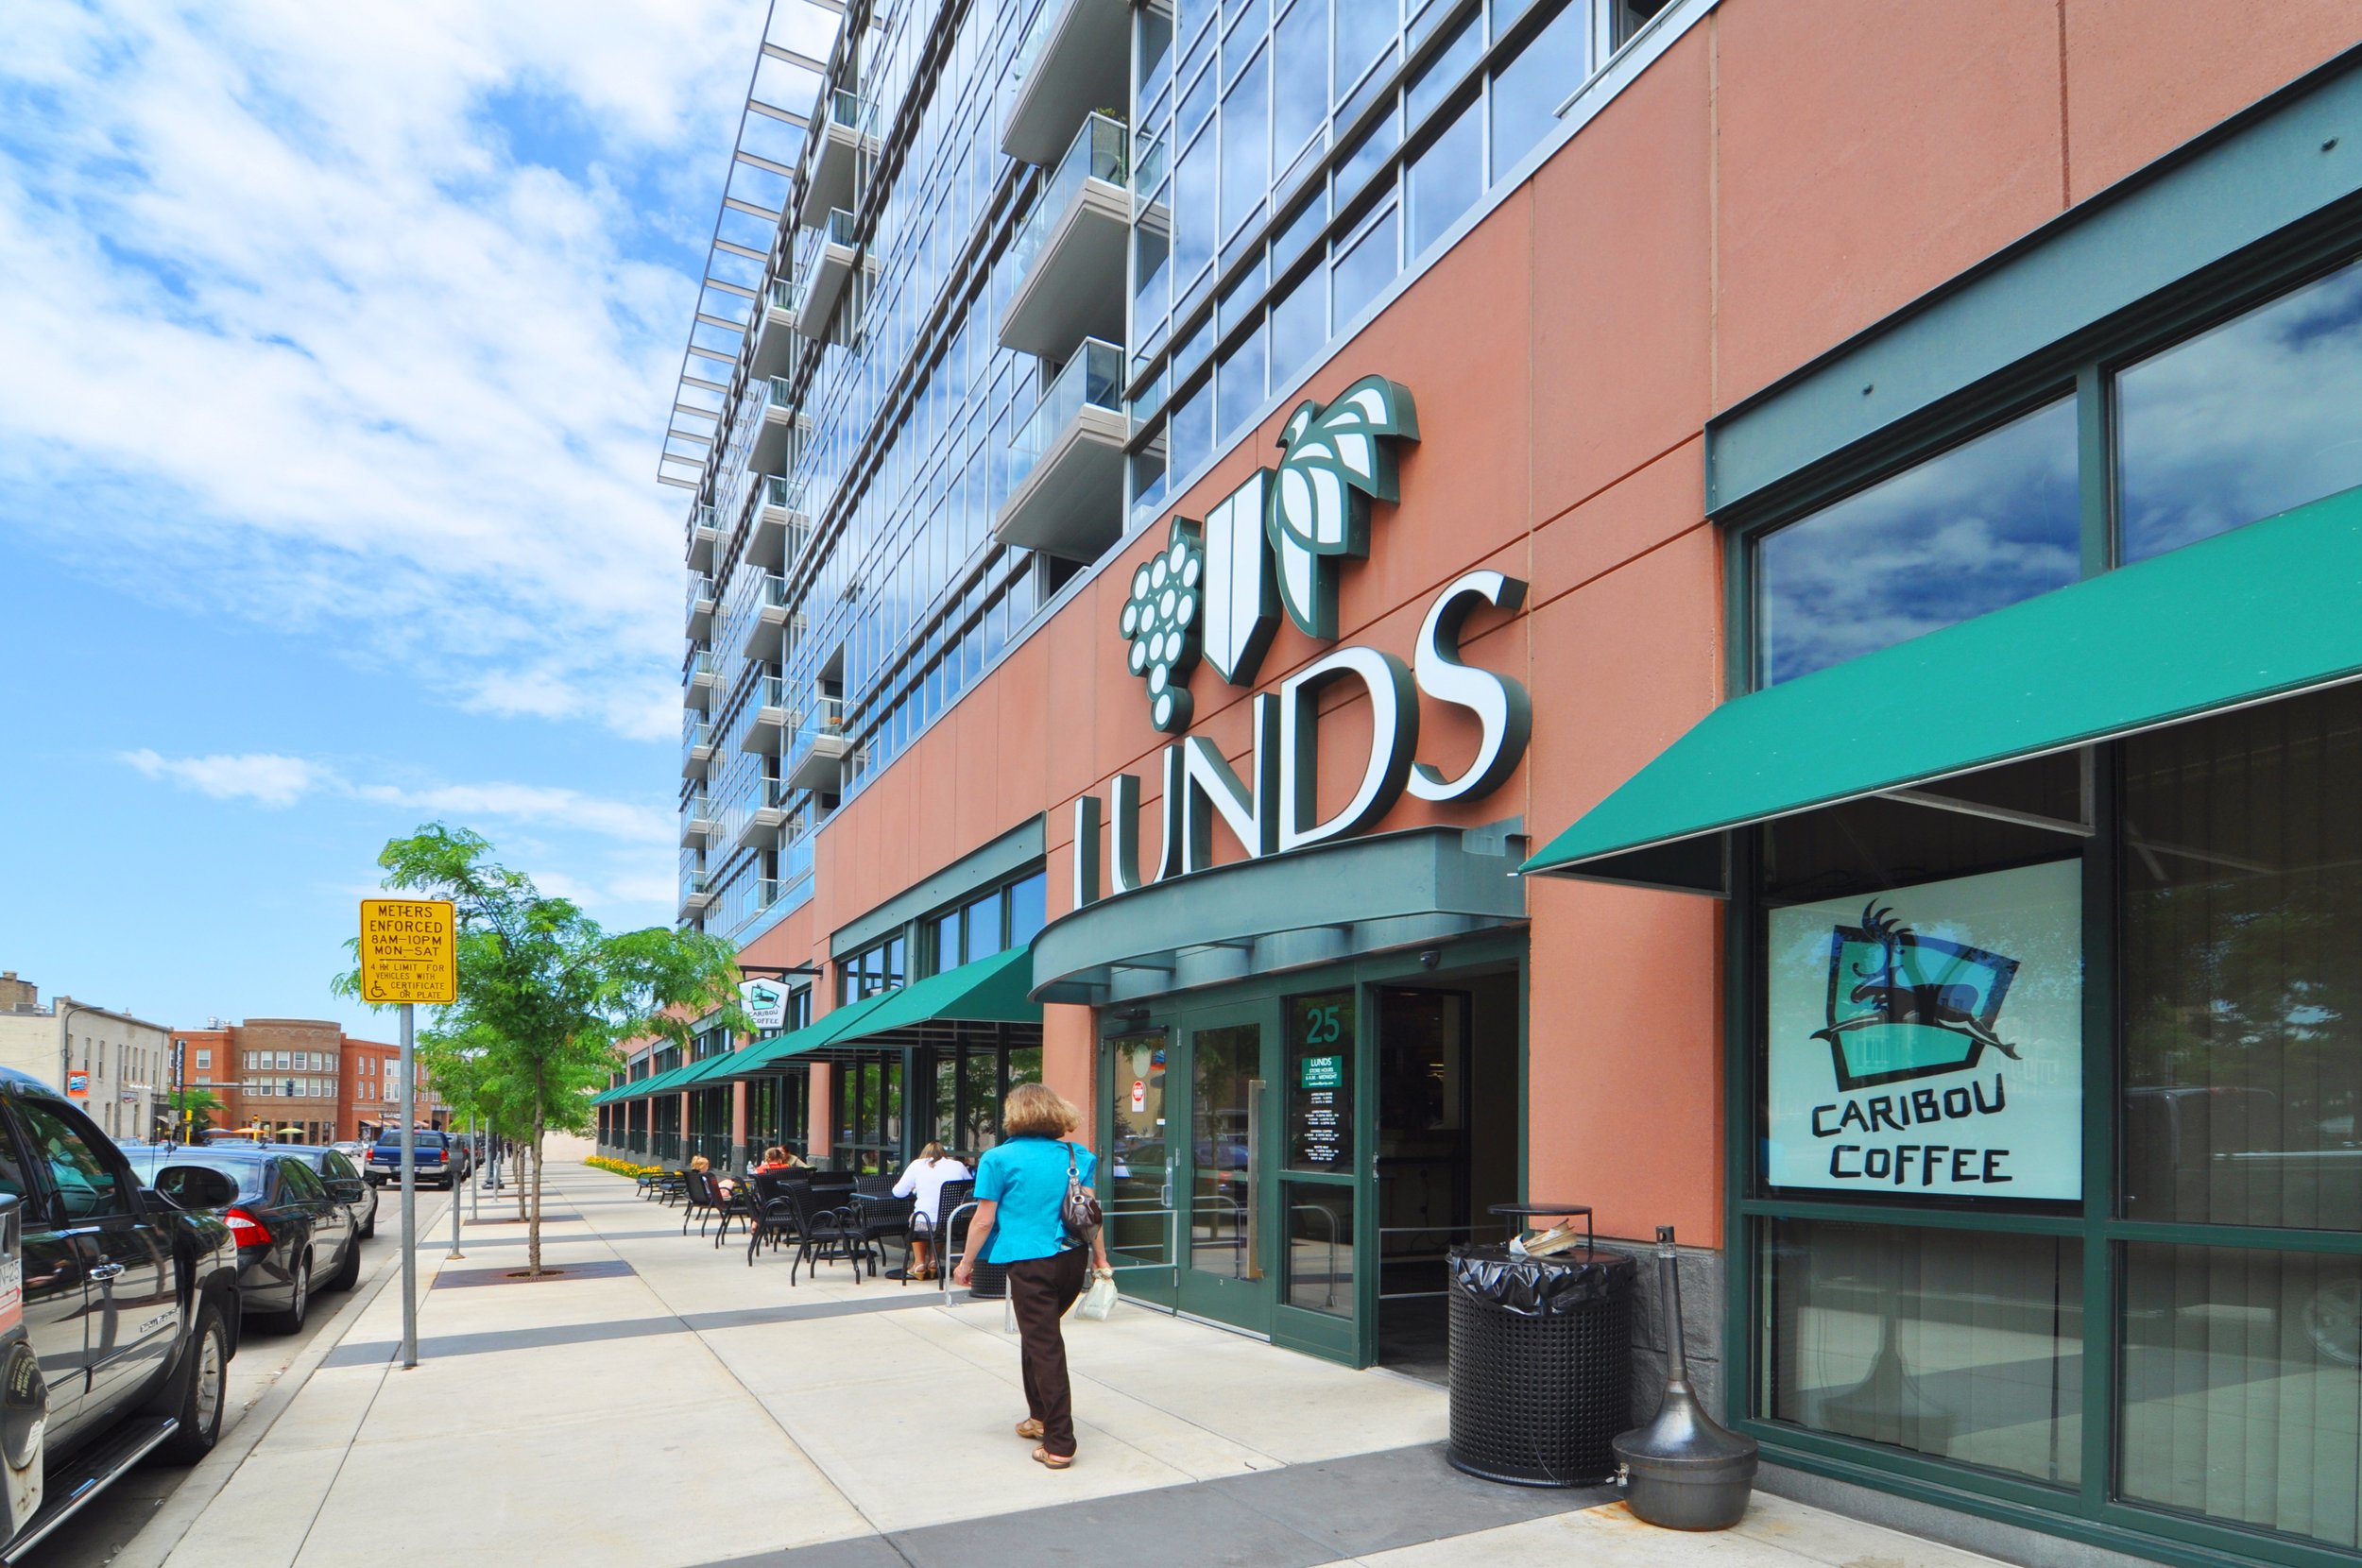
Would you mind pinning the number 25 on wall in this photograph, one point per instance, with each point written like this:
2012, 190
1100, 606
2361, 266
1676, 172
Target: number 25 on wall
1322, 1027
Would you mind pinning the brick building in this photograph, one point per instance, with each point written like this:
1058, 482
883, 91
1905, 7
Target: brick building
301, 1073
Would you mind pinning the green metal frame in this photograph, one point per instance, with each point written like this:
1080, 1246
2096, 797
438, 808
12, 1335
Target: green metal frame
2089, 1511
1354, 1342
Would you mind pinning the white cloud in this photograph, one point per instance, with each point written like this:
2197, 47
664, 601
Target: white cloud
302, 320
272, 780
263, 777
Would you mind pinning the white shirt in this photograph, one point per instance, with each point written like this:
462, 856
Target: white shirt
926, 1181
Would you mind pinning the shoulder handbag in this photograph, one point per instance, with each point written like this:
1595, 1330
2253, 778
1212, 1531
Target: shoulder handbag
1080, 1209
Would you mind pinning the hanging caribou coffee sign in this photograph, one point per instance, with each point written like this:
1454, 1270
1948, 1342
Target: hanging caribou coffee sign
1216, 592
1928, 1041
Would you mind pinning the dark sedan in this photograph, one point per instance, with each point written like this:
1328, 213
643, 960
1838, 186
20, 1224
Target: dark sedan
290, 1229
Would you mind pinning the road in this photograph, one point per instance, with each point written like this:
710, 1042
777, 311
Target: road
93, 1538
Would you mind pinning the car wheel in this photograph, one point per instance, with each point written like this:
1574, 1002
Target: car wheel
368, 1227
204, 1391
348, 1273
299, 1309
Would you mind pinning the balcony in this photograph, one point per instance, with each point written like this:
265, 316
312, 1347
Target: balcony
794, 876
698, 824
697, 748
700, 606
704, 533
1064, 472
782, 523
769, 717
775, 329
700, 681
770, 813
845, 141
785, 428
816, 746
767, 629
696, 895
1075, 58
1070, 255
824, 276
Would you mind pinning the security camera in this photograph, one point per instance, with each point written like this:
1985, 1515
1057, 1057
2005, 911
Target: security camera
1430, 958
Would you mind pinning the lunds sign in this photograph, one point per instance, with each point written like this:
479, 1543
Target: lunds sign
1216, 592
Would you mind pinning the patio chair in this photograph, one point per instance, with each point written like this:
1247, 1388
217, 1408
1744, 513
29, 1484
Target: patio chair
770, 1212
922, 1229
825, 1233
881, 1218
671, 1186
737, 1203
700, 1201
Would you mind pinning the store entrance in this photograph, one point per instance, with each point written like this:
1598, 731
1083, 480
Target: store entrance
1446, 1149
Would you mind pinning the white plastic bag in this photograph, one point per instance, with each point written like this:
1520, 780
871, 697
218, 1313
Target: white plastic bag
1100, 1298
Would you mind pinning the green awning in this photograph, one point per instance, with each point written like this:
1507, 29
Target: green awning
640, 1088
2263, 611
989, 991
767, 1055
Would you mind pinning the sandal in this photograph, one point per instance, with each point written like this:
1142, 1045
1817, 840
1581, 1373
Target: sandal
1051, 1461
1029, 1427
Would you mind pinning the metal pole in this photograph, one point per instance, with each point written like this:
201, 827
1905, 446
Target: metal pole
409, 1193
454, 1189
475, 1185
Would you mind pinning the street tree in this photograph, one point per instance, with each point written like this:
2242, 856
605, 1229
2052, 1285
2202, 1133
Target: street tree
192, 1111
547, 998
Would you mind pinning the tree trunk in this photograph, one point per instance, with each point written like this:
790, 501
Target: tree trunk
533, 1226
517, 1173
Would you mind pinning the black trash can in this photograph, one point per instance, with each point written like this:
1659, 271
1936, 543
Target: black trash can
989, 1283
1541, 1364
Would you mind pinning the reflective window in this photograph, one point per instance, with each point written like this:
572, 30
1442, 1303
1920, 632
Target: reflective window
1299, 78
1365, 267
2242, 1377
2242, 987
1988, 523
1444, 179
1365, 28
1028, 904
1528, 90
1238, 384
1318, 1264
1193, 209
2262, 414
1958, 1344
1245, 146
86, 1184
1300, 325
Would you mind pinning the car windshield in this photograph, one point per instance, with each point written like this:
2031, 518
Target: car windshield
157, 1168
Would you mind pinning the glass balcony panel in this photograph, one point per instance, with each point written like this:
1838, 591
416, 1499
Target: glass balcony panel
1068, 258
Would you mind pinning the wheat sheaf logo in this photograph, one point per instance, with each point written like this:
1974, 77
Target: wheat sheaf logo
1337, 461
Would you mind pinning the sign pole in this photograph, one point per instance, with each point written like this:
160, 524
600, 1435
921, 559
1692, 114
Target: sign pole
453, 1190
475, 1179
409, 1193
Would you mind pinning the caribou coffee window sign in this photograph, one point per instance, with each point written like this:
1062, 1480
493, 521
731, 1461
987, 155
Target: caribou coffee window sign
1928, 1041
1275, 545
765, 1002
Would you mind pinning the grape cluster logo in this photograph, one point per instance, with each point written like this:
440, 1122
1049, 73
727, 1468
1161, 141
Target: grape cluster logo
1160, 620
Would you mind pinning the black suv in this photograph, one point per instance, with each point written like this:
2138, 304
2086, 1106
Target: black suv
119, 1313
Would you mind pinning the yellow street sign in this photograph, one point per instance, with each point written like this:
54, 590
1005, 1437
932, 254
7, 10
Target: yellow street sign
409, 950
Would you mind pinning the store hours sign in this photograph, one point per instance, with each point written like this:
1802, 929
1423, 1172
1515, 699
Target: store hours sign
1927, 1041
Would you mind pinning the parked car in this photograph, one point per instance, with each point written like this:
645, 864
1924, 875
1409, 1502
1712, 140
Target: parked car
290, 1229
127, 1312
429, 1150
345, 1184
352, 1149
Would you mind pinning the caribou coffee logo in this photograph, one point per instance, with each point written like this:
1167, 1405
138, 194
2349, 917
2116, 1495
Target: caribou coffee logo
1273, 546
1903, 1006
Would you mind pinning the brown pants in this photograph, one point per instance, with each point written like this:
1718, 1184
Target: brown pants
1040, 1290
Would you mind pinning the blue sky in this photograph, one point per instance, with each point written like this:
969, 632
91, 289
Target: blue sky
338, 342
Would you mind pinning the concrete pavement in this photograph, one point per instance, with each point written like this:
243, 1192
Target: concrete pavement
665, 1405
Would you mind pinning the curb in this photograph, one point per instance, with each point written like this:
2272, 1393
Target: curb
211, 1476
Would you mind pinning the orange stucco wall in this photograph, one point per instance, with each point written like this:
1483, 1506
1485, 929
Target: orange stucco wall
1785, 177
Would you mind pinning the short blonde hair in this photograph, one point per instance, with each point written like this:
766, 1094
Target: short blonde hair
700, 1163
1037, 1108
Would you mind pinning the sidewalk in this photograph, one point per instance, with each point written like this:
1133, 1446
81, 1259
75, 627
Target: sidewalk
667, 1407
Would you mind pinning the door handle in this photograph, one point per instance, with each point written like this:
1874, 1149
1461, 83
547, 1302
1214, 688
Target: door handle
106, 1270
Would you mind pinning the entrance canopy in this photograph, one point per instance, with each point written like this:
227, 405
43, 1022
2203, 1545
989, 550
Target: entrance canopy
2263, 611
991, 990
1332, 901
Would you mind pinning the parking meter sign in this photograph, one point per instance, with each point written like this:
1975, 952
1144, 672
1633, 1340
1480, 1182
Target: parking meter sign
409, 950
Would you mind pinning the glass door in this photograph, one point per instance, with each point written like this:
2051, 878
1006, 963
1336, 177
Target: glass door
1142, 1219
1227, 1229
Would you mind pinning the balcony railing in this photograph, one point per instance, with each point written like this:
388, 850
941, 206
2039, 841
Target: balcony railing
783, 294
1093, 378
1100, 152
1072, 58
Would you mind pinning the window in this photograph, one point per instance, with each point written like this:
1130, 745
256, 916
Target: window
1994, 520
2252, 417
204, 1059
1528, 90
1445, 179
87, 1187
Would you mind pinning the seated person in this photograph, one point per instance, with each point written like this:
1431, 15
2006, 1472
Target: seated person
776, 1159
922, 1181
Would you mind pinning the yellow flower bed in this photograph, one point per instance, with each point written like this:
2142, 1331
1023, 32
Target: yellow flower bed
623, 1167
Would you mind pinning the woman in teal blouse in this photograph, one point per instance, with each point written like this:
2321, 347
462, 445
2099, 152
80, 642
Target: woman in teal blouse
1019, 1223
